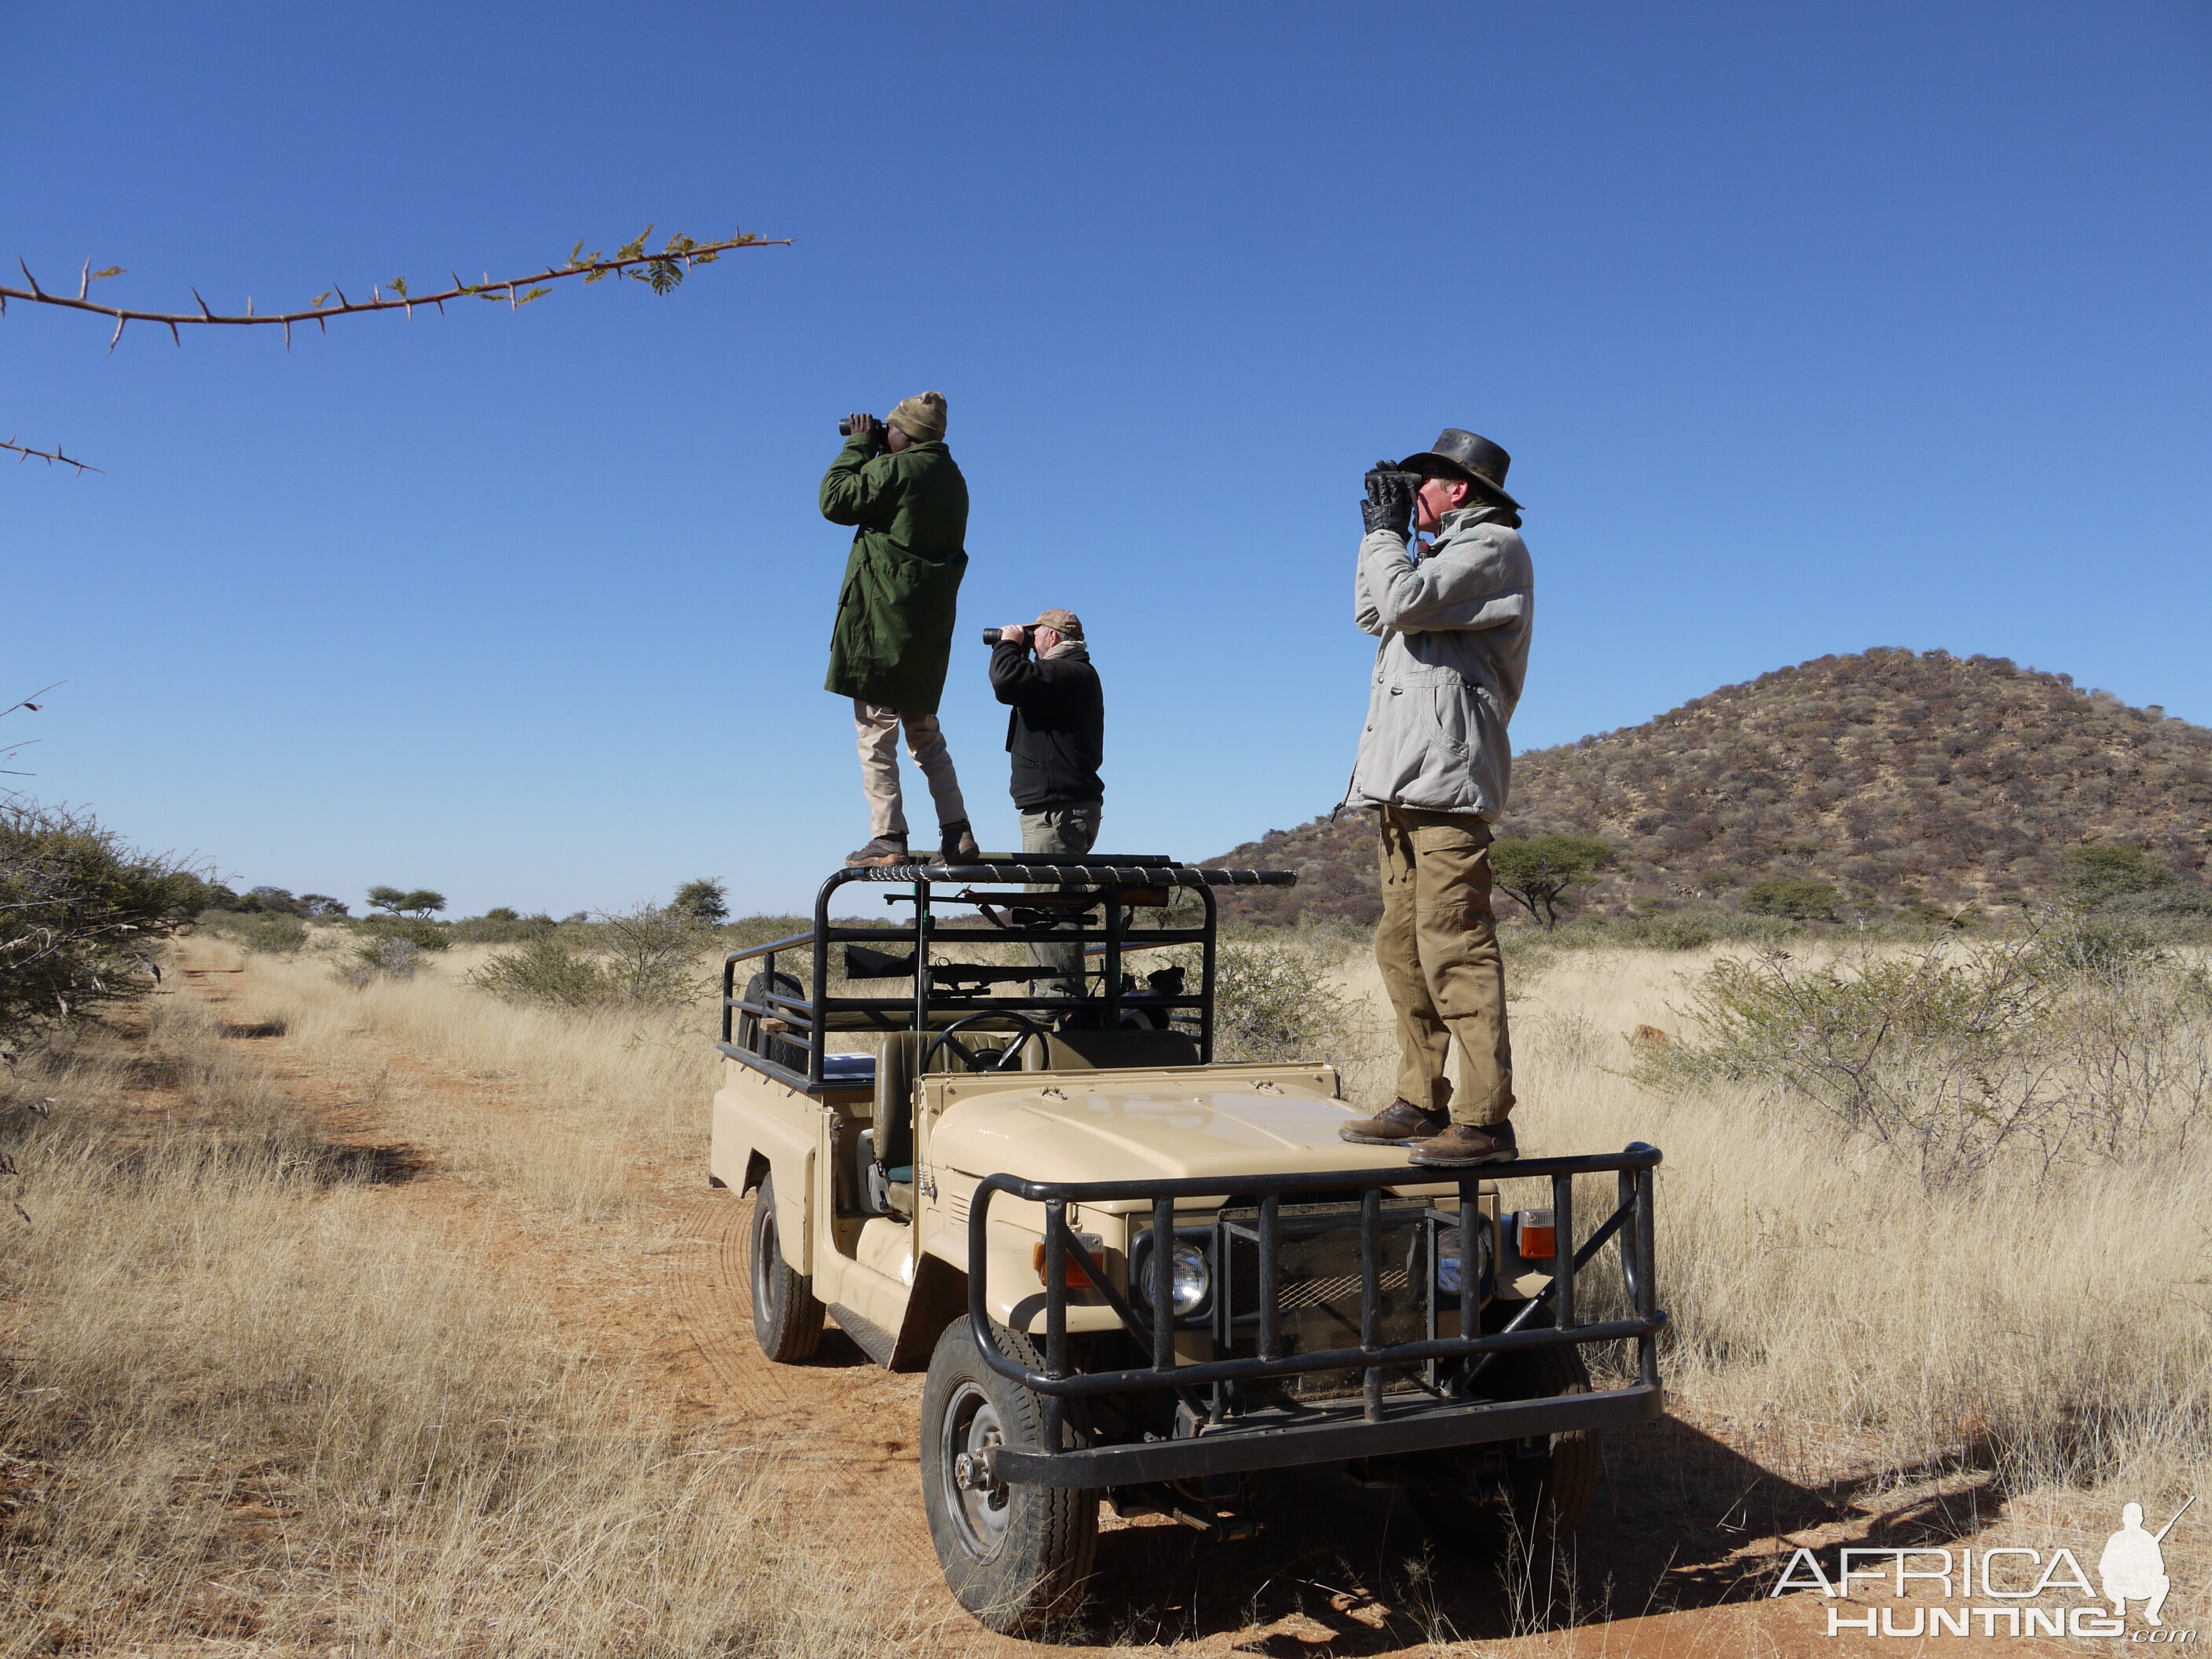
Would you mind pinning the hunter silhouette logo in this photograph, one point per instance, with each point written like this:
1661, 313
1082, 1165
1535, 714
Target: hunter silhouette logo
2133, 1567
2014, 1586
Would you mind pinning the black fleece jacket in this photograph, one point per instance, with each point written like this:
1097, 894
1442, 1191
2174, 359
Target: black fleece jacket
1057, 732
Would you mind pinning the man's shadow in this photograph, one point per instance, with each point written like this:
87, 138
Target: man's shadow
1670, 1528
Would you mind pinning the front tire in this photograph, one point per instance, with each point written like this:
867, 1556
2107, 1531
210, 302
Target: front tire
787, 1319
1547, 1485
1017, 1556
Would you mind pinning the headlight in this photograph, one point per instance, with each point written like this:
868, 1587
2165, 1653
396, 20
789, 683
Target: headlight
1455, 1272
1193, 1277
1190, 1277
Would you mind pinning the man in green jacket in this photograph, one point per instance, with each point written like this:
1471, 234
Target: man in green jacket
897, 483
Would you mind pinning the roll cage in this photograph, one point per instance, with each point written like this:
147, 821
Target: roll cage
1088, 899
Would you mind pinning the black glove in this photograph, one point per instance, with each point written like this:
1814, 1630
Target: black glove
1389, 503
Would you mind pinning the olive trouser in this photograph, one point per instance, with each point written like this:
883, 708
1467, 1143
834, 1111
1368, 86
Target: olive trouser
879, 730
1060, 830
1437, 948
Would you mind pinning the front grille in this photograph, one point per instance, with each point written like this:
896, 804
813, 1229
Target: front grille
1317, 1289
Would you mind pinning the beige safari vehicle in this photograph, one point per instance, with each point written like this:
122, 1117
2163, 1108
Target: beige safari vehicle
1135, 1276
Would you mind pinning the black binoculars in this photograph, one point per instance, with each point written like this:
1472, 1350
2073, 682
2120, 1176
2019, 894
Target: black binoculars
992, 635
845, 425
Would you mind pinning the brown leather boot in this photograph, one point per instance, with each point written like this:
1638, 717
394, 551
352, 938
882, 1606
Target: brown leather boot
883, 853
1399, 1124
1466, 1143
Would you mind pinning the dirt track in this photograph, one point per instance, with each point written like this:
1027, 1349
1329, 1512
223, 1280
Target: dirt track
1674, 1562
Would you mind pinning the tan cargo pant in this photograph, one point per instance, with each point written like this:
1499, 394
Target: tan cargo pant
1437, 948
878, 729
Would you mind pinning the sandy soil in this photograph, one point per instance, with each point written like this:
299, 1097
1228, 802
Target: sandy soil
1689, 1530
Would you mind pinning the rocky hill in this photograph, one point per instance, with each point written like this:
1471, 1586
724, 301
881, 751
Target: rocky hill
1916, 784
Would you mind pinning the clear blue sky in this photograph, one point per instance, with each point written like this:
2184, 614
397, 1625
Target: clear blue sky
1810, 328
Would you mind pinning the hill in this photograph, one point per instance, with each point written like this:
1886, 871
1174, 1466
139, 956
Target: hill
1915, 783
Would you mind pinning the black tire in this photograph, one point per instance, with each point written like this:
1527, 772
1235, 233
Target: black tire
1019, 1557
1548, 1484
787, 1319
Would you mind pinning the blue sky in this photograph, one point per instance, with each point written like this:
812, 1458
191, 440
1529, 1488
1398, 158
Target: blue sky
1809, 328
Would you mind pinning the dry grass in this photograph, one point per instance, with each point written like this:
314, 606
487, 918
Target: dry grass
2051, 1331
254, 1396
274, 1406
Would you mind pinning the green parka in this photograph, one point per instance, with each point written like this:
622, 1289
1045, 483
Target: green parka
893, 636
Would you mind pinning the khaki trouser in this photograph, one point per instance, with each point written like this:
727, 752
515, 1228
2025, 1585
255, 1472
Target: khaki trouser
878, 729
1060, 830
1437, 949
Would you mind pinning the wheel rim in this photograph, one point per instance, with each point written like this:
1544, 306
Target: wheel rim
765, 1257
972, 1425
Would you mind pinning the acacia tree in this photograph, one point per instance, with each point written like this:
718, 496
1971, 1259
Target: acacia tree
1536, 872
406, 902
662, 271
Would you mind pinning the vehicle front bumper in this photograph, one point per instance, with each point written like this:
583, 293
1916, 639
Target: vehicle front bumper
1282, 1440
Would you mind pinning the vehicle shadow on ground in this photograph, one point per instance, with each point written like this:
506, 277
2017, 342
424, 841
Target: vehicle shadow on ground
1339, 1569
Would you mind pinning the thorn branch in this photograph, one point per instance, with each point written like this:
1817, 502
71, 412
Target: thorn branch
679, 256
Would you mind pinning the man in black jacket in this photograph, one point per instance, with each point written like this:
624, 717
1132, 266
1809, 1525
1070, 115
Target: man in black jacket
1057, 736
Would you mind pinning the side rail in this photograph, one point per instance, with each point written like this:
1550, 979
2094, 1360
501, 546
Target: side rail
1631, 1224
795, 1014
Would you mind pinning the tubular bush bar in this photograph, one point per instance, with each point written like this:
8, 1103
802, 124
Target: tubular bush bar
1154, 1326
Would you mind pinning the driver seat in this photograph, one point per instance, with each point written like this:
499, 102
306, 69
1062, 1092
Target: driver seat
887, 1175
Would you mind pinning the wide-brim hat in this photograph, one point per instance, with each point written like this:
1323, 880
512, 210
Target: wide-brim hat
1457, 454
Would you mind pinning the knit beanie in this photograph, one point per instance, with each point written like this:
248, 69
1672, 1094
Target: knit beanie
921, 418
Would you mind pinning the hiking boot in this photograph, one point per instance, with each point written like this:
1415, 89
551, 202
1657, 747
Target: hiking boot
881, 853
1468, 1143
957, 844
1401, 1123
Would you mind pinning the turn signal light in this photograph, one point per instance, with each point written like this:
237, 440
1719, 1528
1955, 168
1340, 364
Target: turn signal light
1533, 1232
1074, 1277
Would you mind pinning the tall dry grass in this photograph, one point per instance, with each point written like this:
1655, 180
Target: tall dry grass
2050, 1332
2048, 1323
251, 1394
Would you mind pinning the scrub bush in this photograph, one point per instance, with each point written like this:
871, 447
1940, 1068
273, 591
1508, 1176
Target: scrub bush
81, 912
1796, 899
646, 956
271, 931
2055, 1044
501, 925
1276, 1002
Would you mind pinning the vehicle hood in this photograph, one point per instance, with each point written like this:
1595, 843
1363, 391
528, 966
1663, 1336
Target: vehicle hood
1149, 1131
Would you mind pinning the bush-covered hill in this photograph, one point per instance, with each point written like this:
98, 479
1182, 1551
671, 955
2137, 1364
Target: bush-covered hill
1916, 784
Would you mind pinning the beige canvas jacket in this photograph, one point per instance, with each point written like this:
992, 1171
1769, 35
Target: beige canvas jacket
1455, 629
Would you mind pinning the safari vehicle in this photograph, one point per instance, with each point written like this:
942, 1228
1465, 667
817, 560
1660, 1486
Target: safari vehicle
1134, 1274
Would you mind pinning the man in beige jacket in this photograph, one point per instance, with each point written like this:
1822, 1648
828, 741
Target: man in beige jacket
1434, 764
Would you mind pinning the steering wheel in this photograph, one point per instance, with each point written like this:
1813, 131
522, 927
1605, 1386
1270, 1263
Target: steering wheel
1008, 1062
